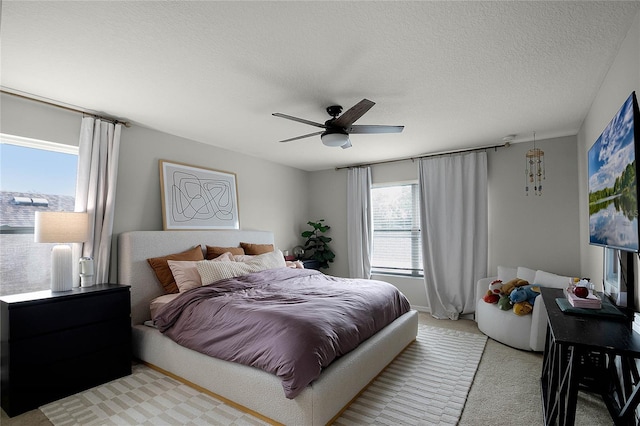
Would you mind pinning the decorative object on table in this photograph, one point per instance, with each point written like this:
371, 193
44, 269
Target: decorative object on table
86, 272
318, 243
581, 295
298, 252
61, 228
534, 169
607, 310
197, 198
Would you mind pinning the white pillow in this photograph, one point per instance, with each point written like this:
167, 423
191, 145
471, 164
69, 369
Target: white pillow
185, 272
526, 274
547, 279
506, 273
210, 272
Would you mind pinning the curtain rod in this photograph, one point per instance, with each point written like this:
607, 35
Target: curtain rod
435, 154
34, 98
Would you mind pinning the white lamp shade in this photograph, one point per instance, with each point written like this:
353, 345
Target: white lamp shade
61, 227
334, 139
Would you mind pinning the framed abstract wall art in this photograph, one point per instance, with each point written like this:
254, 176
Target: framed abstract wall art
197, 198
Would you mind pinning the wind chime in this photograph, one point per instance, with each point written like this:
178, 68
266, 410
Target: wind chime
534, 169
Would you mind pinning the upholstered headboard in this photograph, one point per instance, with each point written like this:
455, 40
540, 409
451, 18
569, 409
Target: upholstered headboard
135, 247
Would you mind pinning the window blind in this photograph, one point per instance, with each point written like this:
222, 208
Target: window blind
397, 247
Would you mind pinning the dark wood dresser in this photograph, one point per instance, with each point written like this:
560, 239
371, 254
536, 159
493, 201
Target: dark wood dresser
57, 344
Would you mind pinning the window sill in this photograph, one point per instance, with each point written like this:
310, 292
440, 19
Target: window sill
390, 274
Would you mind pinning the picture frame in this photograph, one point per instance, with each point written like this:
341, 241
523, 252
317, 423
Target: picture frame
197, 197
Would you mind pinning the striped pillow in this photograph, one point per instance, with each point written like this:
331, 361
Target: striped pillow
210, 272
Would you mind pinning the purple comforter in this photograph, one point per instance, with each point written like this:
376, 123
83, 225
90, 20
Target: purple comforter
289, 322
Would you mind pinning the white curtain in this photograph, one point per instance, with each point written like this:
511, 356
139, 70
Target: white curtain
96, 188
454, 224
359, 222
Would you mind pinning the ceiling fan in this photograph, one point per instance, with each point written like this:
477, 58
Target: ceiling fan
337, 129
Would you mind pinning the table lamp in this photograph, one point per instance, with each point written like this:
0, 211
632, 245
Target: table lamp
61, 227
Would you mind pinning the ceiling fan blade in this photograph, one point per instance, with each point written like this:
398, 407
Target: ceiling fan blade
302, 137
374, 129
352, 114
299, 120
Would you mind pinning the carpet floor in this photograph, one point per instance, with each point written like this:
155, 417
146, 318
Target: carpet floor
427, 385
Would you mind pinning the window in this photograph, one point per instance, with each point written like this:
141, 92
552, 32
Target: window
397, 245
34, 176
616, 263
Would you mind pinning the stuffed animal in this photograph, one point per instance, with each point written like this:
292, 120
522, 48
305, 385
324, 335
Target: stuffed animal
491, 298
504, 303
493, 294
527, 293
508, 287
495, 287
523, 298
522, 308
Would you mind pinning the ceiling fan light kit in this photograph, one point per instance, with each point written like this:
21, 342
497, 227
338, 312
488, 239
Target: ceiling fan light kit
337, 128
335, 139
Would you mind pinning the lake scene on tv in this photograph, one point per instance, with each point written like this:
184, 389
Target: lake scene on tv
613, 204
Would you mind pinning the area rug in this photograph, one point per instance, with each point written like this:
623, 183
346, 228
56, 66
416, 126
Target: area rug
427, 385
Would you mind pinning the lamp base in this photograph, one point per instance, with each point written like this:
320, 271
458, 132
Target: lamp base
61, 268
86, 281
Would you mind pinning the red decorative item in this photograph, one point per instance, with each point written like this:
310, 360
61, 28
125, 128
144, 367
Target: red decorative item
491, 298
581, 292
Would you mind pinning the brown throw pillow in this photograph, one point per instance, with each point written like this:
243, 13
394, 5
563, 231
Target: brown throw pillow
213, 252
163, 272
254, 249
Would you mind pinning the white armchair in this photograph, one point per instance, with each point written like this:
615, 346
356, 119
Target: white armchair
525, 332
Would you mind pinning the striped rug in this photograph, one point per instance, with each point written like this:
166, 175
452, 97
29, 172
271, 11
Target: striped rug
427, 385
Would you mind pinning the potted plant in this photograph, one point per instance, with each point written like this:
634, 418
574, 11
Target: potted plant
318, 244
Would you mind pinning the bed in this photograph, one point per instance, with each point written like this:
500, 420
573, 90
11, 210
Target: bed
248, 388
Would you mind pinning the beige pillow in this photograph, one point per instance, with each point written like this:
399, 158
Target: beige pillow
256, 248
186, 272
211, 272
163, 272
244, 257
213, 251
159, 302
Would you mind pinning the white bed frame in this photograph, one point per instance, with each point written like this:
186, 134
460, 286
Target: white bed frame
248, 388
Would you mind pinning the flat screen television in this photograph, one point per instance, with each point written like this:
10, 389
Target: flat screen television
613, 183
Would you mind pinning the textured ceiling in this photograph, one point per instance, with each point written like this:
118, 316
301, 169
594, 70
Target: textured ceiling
455, 74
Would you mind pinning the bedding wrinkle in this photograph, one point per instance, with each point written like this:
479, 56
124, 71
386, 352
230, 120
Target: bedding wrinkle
289, 322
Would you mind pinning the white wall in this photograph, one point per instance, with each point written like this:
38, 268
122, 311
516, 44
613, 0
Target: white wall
21, 117
539, 232
271, 196
622, 78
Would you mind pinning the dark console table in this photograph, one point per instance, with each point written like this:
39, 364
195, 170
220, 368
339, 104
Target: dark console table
583, 353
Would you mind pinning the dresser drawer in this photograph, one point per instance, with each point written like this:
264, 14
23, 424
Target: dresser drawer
70, 343
35, 319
